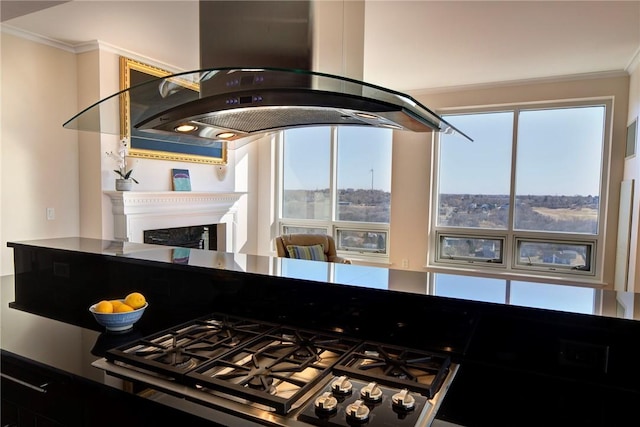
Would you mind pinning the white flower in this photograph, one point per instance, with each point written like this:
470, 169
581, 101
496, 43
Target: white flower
121, 160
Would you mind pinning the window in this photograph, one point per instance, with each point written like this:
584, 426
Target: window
337, 181
471, 248
550, 255
307, 174
525, 195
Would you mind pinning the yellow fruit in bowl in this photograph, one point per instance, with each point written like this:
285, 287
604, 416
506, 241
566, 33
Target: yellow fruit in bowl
122, 308
103, 307
135, 300
115, 303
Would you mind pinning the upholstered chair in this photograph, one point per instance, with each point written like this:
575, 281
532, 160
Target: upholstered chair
317, 247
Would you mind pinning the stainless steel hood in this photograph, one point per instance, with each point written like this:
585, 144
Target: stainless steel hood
256, 77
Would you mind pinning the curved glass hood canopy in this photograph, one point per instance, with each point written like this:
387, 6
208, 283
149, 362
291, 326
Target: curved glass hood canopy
225, 104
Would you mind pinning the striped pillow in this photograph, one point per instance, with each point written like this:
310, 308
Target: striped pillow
313, 252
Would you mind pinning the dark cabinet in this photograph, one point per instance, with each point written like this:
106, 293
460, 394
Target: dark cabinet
34, 395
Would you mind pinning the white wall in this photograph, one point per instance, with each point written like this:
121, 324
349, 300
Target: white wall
44, 165
632, 171
39, 157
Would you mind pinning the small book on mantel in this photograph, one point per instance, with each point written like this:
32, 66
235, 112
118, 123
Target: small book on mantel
181, 180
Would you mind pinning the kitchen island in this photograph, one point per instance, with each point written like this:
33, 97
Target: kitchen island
519, 365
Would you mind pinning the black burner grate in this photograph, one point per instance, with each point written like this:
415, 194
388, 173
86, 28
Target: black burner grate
416, 370
276, 369
178, 350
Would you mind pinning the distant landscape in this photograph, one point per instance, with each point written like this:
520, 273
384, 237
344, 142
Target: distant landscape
573, 214
353, 204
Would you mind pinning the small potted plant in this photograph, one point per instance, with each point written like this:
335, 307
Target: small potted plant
125, 182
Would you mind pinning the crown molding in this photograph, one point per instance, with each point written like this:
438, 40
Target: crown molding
88, 47
8, 29
107, 47
634, 63
522, 82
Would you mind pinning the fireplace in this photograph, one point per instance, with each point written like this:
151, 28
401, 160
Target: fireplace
198, 237
169, 214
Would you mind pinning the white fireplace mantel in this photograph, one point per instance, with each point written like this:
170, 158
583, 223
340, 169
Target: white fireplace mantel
134, 212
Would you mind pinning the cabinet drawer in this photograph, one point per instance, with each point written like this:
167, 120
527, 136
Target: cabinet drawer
31, 390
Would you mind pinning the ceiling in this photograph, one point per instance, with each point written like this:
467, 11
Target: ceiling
409, 45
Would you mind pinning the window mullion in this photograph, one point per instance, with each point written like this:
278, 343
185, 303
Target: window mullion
333, 182
510, 243
279, 179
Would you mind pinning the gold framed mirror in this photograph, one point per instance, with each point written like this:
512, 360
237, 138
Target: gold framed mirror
152, 146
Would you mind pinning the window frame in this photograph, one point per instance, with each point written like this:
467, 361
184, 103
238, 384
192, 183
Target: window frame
492, 263
372, 227
332, 225
511, 235
554, 268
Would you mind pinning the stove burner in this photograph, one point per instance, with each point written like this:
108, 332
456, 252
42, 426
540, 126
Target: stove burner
177, 350
415, 370
260, 381
303, 353
398, 373
395, 365
276, 369
304, 347
263, 383
178, 360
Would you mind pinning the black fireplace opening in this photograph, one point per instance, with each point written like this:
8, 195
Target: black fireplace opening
197, 236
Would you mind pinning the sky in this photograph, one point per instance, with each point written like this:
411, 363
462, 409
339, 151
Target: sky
361, 150
559, 152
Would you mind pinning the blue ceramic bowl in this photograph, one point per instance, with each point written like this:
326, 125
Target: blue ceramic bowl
118, 321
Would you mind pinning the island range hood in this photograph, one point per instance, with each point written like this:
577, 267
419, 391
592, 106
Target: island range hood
256, 77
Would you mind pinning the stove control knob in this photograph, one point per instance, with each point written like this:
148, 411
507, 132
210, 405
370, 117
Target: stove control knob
326, 402
341, 385
371, 392
357, 411
403, 400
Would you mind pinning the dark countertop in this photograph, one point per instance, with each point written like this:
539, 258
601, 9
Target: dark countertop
57, 344
71, 349
553, 294
518, 342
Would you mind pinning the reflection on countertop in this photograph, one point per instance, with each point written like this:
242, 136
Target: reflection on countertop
544, 294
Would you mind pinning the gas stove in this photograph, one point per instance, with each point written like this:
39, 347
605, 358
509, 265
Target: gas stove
285, 376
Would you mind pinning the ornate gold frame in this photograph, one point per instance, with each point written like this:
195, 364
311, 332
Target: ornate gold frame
126, 66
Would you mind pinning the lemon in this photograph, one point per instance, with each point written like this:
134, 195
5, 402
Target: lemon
135, 300
122, 308
103, 307
115, 303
